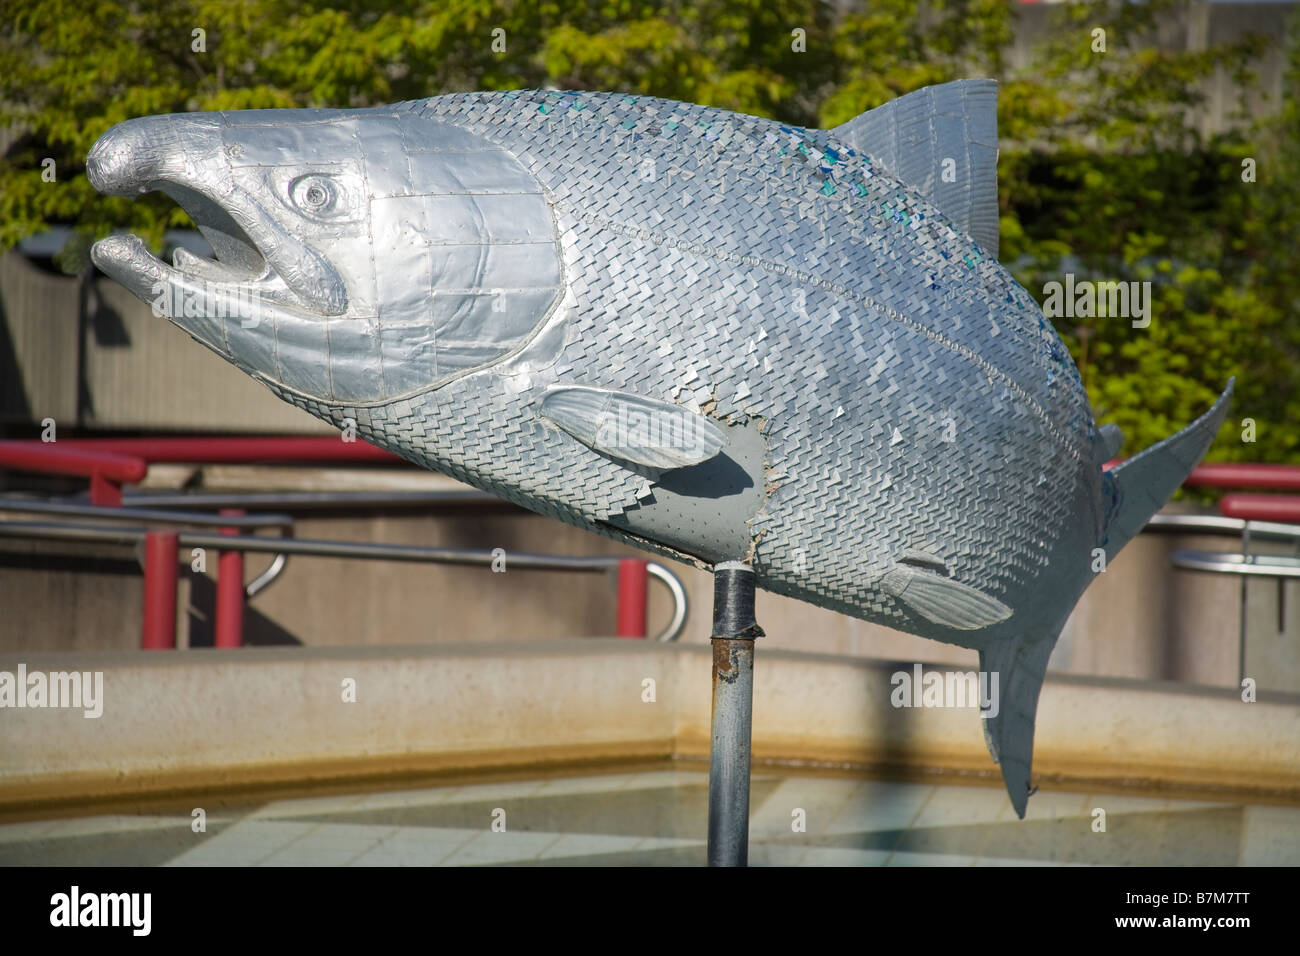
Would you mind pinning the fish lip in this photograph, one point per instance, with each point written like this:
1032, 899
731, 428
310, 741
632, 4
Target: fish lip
253, 254
126, 258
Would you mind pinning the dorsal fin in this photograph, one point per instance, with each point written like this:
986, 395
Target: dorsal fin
912, 136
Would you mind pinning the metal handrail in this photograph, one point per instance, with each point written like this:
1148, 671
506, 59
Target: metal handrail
111, 462
267, 577
1245, 564
1272, 566
323, 548
162, 512
681, 603
156, 515
228, 449
304, 500
1226, 562
1216, 524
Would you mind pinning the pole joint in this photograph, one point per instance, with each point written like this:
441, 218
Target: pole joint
733, 602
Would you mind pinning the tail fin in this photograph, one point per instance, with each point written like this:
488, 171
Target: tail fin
1020, 666
1140, 486
1145, 482
941, 141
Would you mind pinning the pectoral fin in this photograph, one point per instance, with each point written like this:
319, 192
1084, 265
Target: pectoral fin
942, 600
633, 428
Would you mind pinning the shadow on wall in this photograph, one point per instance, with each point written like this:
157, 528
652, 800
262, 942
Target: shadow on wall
13, 392
200, 613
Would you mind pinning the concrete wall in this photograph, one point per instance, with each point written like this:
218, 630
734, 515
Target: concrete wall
38, 343
136, 371
175, 725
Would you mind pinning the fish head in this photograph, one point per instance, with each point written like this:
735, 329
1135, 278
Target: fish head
358, 255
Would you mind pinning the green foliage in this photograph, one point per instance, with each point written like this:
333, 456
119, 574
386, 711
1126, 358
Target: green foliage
891, 47
1118, 183
70, 69
1104, 170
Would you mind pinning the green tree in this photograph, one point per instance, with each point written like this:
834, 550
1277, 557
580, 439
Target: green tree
70, 70
1118, 183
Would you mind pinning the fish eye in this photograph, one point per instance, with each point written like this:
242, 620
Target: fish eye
315, 195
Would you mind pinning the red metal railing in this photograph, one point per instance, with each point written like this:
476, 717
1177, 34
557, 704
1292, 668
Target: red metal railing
111, 462
159, 626
633, 586
233, 451
1282, 508
1244, 475
107, 471
228, 628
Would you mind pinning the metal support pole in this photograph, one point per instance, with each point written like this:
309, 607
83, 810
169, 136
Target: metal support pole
1241, 626
734, 631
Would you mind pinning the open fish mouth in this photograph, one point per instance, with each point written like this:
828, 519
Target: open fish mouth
253, 254
236, 261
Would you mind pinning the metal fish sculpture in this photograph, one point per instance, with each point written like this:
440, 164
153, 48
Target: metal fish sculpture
709, 335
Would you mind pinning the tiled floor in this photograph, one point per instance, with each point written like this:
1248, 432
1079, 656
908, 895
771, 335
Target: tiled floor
658, 818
